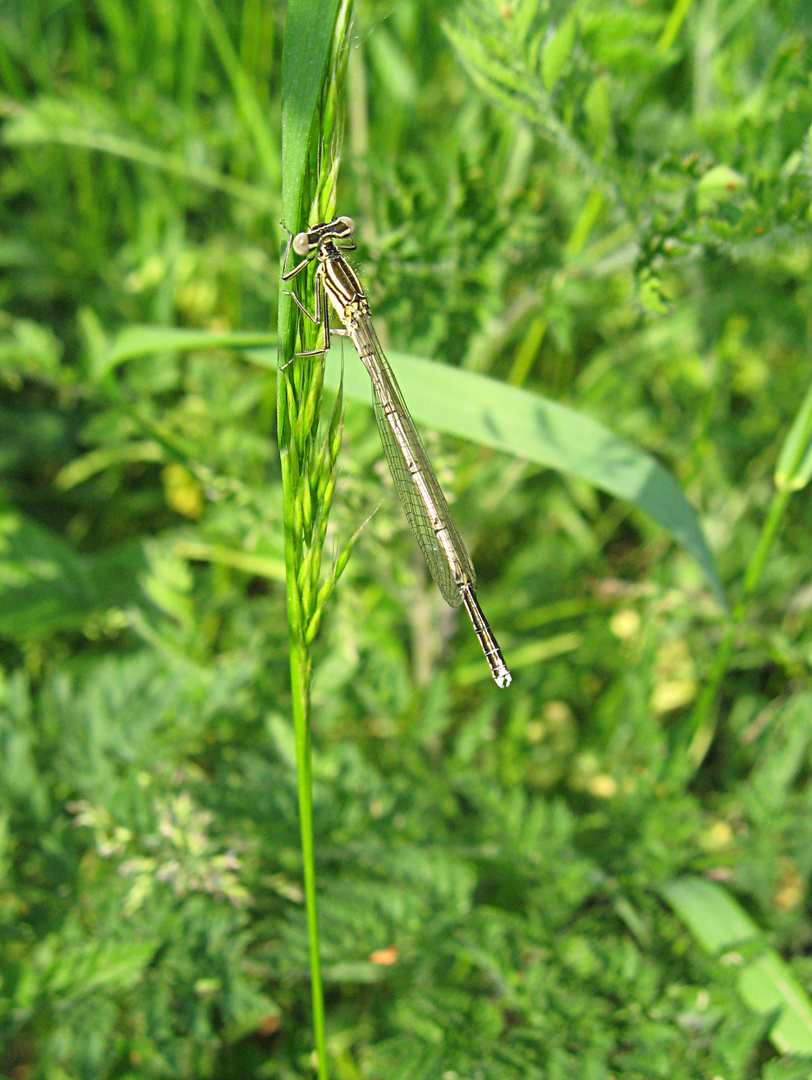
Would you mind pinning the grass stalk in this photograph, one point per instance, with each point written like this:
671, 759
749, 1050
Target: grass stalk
316, 48
703, 721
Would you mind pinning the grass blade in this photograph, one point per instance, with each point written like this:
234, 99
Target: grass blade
765, 982
526, 425
493, 414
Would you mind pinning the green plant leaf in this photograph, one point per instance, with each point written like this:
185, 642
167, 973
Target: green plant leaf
244, 92
503, 417
717, 186
794, 468
46, 586
556, 52
783, 756
52, 120
308, 37
765, 982
526, 425
308, 40
135, 342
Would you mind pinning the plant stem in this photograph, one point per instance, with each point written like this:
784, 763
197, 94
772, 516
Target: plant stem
296, 549
702, 723
300, 685
316, 47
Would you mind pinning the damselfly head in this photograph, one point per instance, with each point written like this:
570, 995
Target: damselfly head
340, 229
301, 243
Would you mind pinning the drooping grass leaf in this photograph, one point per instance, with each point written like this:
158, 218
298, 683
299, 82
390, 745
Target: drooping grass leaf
527, 425
505, 418
134, 342
52, 120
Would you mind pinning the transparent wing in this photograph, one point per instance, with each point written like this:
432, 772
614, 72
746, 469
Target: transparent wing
417, 486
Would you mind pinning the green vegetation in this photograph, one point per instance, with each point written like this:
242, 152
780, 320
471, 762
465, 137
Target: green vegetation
594, 217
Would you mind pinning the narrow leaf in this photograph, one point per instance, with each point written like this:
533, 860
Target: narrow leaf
526, 425
135, 342
765, 982
556, 52
794, 467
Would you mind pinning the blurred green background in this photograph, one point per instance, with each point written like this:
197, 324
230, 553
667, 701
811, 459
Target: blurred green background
604, 202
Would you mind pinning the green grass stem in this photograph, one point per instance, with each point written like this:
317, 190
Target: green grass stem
313, 69
703, 720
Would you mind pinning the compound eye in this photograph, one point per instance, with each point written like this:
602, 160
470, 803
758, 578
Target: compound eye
301, 243
348, 224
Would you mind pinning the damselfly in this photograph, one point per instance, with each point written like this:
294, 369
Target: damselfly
417, 486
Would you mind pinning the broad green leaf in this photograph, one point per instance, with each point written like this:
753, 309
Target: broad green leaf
526, 425
598, 111
765, 982
28, 348
721, 178
505, 418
